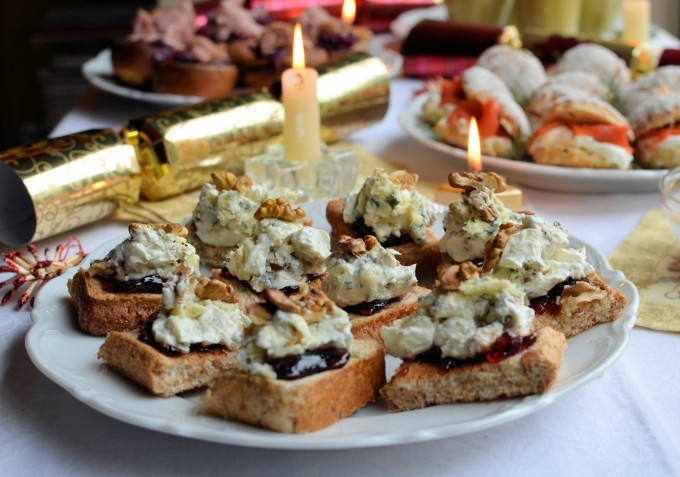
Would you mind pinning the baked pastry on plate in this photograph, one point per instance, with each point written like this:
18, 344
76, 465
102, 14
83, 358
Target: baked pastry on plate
481, 94
659, 82
370, 284
225, 214
189, 342
121, 291
519, 69
203, 68
302, 370
582, 131
563, 288
169, 27
655, 122
598, 60
471, 340
283, 253
388, 207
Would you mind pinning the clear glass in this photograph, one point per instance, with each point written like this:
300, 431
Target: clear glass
550, 16
334, 175
670, 198
597, 17
489, 12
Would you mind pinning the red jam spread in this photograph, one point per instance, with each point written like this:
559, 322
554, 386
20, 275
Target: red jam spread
547, 304
310, 362
369, 308
146, 337
505, 346
150, 284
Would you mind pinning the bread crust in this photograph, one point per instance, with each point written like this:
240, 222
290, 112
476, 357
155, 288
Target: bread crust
424, 255
584, 109
160, 374
416, 385
570, 155
368, 327
100, 311
302, 405
576, 316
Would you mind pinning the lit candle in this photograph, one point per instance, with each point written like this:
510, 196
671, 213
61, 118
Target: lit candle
302, 126
636, 21
445, 194
349, 11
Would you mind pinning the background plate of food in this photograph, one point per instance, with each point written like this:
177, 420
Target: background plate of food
554, 178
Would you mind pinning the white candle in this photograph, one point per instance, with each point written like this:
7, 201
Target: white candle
302, 124
636, 21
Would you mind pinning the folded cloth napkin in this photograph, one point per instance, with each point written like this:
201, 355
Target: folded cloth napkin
444, 48
650, 258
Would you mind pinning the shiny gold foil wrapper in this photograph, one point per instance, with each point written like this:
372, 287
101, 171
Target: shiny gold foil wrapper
179, 149
62, 183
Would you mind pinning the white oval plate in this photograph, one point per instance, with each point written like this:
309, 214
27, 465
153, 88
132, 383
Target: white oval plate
68, 357
99, 72
539, 176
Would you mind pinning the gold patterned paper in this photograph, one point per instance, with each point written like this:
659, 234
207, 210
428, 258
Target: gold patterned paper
650, 258
179, 149
74, 180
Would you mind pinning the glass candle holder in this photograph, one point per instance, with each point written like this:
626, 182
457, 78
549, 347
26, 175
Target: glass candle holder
334, 175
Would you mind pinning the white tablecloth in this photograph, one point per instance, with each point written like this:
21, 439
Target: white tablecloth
625, 423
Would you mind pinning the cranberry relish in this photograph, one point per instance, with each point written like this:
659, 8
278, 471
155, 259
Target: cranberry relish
150, 284
146, 337
361, 230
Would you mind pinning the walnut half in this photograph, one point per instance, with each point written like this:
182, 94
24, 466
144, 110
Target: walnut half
469, 181
357, 246
280, 209
215, 288
229, 181
493, 248
453, 276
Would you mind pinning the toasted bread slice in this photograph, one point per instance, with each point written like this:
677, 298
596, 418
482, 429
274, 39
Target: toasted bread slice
161, 374
416, 385
100, 311
410, 253
582, 306
368, 327
211, 255
302, 405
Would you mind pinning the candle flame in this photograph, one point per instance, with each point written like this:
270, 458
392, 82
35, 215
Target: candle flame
349, 11
474, 147
298, 48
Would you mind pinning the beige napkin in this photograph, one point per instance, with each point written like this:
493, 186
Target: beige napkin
650, 258
176, 209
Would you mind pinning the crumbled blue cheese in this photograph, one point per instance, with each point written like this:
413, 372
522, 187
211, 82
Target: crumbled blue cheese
186, 319
465, 229
462, 323
289, 334
389, 209
279, 255
225, 217
538, 257
373, 275
147, 252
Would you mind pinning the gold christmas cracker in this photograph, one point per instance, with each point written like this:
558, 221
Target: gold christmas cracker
179, 149
58, 184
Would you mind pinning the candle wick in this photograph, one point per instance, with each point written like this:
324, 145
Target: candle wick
299, 79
